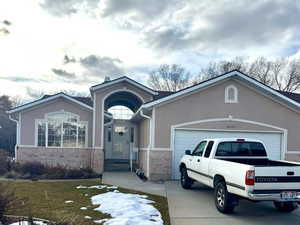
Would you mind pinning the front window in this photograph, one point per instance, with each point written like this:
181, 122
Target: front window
61, 129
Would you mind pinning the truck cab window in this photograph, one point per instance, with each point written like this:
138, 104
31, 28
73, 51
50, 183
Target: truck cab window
208, 149
199, 149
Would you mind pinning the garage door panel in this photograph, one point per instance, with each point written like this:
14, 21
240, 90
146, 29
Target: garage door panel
188, 139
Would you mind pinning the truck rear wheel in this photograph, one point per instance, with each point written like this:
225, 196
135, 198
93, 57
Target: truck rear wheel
185, 181
224, 201
285, 206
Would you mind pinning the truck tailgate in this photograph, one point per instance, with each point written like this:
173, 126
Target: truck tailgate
277, 178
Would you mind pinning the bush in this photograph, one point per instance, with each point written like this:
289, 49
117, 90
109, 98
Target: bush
4, 162
35, 170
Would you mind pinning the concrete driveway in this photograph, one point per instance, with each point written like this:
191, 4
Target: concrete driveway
196, 207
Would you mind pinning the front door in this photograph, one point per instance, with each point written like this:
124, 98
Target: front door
121, 144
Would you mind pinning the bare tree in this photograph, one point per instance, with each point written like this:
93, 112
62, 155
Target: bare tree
169, 78
282, 74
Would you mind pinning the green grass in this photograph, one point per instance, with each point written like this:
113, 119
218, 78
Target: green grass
46, 200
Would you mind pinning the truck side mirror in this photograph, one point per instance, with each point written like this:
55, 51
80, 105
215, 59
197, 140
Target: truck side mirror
188, 152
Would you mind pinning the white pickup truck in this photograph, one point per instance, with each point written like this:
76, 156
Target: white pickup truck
239, 168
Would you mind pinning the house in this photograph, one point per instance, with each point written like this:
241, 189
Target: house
80, 132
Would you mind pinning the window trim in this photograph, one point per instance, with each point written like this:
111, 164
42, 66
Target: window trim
45, 120
236, 93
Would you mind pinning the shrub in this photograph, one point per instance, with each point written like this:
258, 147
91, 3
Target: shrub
33, 168
4, 162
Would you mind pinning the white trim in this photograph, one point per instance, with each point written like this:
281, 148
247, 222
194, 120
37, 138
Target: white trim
236, 94
47, 115
244, 131
103, 104
150, 140
179, 127
38, 102
94, 119
19, 129
55, 147
220, 78
106, 84
161, 149
293, 152
153, 128
78, 122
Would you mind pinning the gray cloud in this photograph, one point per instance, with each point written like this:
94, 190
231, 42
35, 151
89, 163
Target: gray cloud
63, 73
226, 25
102, 66
68, 7
21, 79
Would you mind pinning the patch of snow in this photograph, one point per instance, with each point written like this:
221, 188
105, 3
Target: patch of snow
86, 195
81, 187
112, 187
26, 223
88, 217
116, 191
83, 208
131, 209
69, 201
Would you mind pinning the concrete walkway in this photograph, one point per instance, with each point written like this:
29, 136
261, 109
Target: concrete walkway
131, 181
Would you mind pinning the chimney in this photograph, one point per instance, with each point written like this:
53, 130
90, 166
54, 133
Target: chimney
106, 79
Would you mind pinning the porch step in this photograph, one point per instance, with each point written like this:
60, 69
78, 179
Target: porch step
116, 165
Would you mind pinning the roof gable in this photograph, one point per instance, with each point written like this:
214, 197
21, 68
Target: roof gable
52, 97
239, 75
121, 79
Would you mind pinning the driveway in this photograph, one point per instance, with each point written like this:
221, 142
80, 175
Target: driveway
196, 207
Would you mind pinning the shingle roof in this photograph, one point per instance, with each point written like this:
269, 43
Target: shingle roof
86, 100
291, 95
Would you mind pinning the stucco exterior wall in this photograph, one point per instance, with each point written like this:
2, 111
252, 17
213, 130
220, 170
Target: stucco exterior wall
209, 104
143, 133
99, 96
143, 160
28, 117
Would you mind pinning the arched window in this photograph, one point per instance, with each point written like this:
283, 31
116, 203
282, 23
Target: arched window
231, 94
61, 129
121, 112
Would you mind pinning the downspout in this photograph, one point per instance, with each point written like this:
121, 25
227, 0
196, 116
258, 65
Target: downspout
17, 136
150, 141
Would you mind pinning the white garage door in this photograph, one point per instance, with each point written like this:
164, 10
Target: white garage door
188, 139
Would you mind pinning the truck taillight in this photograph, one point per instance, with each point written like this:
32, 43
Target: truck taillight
250, 177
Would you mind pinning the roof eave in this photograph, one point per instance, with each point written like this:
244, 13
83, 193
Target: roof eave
40, 101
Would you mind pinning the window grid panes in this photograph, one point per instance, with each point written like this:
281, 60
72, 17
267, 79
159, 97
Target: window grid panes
61, 130
41, 134
81, 135
69, 135
121, 112
54, 134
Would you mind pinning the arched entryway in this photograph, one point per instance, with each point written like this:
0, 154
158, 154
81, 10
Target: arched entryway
119, 132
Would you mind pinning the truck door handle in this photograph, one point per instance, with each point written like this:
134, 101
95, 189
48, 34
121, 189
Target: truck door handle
198, 160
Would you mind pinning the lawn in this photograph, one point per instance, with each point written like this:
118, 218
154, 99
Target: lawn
47, 200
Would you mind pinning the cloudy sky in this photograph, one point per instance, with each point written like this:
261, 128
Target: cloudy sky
50, 45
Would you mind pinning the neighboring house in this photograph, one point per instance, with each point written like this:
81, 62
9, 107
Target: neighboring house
80, 132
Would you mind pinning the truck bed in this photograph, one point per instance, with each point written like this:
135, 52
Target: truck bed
260, 162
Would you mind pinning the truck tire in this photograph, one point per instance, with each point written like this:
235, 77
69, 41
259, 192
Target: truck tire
285, 206
224, 201
185, 181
